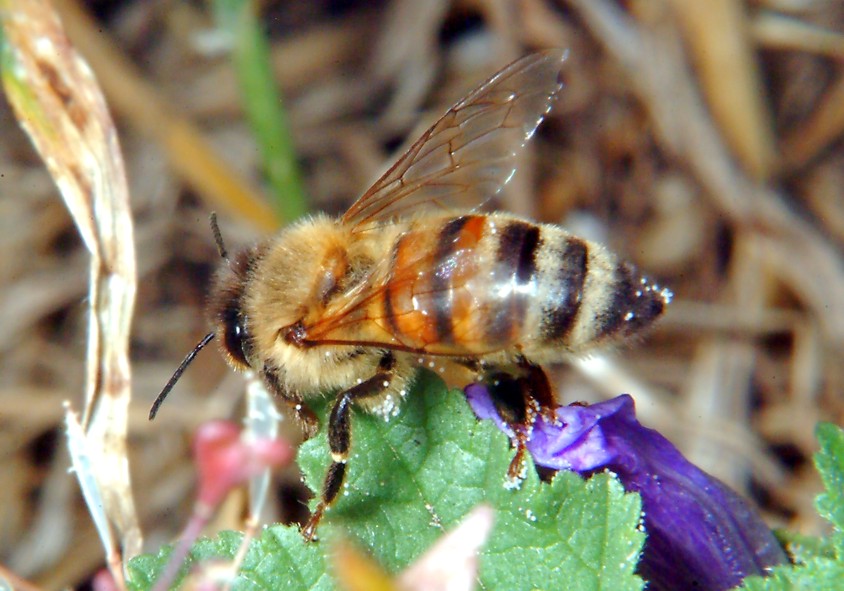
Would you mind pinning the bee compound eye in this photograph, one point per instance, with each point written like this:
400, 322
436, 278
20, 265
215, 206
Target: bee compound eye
235, 337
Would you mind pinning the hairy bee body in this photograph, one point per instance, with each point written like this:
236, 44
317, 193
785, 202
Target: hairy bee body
413, 275
486, 288
503, 285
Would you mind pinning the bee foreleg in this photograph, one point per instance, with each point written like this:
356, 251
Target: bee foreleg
339, 441
304, 416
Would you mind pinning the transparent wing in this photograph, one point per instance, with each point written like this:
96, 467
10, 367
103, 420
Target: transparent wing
362, 319
470, 153
419, 300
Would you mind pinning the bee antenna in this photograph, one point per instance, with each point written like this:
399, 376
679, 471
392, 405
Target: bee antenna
177, 374
218, 236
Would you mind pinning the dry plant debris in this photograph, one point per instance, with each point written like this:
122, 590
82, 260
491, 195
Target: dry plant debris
720, 173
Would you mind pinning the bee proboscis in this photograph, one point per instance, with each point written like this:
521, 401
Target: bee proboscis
414, 274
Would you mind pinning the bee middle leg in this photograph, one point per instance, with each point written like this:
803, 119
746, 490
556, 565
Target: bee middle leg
339, 439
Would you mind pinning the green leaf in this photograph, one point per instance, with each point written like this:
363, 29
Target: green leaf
804, 548
816, 575
819, 562
414, 477
830, 464
278, 559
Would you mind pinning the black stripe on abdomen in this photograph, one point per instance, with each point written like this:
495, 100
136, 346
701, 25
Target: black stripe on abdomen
525, 240
447, 242
518, 245
567, 292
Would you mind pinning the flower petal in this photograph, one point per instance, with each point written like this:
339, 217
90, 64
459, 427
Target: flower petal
701, 534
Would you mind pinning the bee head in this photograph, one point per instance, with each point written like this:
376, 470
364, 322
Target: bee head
226, 312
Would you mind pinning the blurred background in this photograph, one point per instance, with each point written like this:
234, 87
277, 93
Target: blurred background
700, 140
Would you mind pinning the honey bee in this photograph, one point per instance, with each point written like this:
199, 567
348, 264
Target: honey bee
415, 274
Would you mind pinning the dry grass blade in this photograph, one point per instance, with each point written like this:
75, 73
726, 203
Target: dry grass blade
9, 580
718, 36
83, 458
188, 151
823, 127
59, 104
779, 31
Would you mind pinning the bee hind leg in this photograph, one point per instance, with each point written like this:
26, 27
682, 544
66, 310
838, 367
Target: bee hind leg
539, 389
339, 439
519, 401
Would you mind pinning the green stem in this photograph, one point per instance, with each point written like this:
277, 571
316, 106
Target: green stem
262, 103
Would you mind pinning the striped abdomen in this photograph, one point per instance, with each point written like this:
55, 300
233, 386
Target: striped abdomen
481, 283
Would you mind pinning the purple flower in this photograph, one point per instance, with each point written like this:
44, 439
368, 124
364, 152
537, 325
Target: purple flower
701, 534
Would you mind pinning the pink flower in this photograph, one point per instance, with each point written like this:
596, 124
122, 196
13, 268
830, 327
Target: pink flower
225, 459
